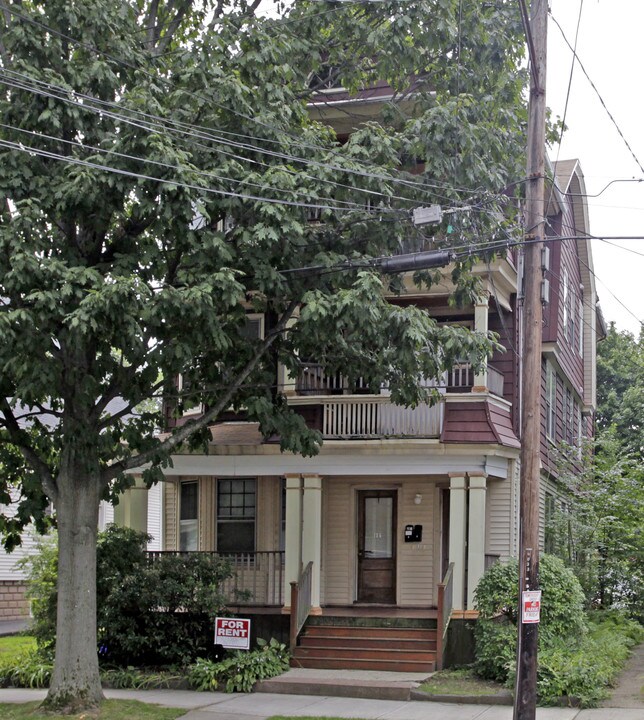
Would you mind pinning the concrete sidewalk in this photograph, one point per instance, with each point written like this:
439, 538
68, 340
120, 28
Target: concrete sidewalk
261, 706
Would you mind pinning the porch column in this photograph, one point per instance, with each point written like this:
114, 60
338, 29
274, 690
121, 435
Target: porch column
312, 535
286, 382
292, 535
481, 326
457, 538
476, 536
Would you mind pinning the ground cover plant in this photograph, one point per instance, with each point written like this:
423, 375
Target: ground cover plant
15, 644
580, 655
461, 681
108, 710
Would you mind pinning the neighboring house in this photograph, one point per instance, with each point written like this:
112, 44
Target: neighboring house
138, 509
398, 495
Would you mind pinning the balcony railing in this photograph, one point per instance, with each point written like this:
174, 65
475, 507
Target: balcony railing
313, 380
376, 416
257, 579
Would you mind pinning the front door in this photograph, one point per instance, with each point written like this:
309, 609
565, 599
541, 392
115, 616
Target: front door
377, 546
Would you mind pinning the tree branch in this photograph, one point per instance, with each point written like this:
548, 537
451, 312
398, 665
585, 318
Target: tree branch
172, 28
20, 439
185, 431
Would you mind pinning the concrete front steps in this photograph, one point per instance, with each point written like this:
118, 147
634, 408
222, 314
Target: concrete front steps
380, 644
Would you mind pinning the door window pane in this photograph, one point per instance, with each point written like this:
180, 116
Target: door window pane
378, 539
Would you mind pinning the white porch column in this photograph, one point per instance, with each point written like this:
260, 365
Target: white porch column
457, 509
481, 326
292, 535
312, 534
286, 382
476, 536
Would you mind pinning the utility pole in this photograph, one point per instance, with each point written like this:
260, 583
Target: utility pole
526, 682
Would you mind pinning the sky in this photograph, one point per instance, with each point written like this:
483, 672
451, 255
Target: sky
610, 47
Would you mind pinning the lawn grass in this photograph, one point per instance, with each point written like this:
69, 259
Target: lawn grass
460, 682
109, 710
16, 644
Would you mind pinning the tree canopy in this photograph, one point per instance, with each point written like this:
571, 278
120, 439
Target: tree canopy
159, 164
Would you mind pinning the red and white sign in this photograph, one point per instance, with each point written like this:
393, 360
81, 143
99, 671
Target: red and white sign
531, 606
232, 633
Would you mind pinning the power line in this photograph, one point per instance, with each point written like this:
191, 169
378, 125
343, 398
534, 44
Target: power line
601, 99
219, 105
198, 132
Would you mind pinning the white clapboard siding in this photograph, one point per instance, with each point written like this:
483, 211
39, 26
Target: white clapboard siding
416, 560
499, 523
30, 540
155, 518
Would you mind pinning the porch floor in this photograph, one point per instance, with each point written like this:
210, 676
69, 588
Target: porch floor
378, 611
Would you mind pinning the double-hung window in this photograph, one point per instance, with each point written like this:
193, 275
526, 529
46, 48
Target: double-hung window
551, 401
236, 503
189, 516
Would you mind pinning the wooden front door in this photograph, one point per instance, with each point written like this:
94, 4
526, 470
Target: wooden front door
377, 546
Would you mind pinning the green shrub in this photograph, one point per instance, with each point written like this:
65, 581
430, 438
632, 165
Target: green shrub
164, 613
578, 658
42, 571
28, 669
131, 678
497, 600
148, 613
240, 671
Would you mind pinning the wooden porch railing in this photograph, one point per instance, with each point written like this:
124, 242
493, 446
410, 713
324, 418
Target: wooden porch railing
314, 380
258, 577
444, 613
377, 416
300, 603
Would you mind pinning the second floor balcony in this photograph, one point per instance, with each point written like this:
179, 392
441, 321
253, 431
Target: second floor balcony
351, 411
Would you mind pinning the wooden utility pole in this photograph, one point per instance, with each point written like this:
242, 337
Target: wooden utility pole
526, 682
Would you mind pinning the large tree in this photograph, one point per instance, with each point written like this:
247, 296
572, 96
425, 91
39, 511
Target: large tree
158, 164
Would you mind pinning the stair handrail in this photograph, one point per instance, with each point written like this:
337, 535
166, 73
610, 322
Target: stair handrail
444, 613
300, 603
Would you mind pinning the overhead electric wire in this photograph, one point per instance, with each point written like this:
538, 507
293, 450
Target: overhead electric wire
601, 99
221, 106
168, 181
193, 170
209, 136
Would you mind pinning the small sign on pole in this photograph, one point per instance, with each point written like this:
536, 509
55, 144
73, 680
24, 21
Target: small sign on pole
233, 633
531, 606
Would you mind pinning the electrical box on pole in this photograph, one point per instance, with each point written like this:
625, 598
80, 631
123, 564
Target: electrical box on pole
427, 215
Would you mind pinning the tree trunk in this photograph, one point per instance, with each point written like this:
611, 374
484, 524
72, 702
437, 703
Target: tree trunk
75, 683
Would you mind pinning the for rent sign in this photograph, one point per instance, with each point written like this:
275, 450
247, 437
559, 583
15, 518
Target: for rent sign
531, 603
232, 633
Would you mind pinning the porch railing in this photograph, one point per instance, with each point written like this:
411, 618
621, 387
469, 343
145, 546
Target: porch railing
377, 416
444, 613
257, 579
314, 380
300, 603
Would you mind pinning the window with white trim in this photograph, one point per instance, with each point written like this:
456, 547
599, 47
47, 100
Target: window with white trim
580, 346
569, 418
565, 295
551, 401
189, 516
236, 507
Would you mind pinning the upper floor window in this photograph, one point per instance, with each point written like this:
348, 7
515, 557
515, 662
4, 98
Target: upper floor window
551, 401
565, 295
580, 346
549, 530
189, 516
254, 327
569, 419
236, 502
